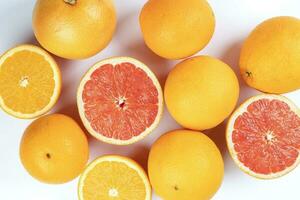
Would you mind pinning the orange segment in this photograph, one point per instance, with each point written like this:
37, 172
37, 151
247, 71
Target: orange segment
30, 81
114, 177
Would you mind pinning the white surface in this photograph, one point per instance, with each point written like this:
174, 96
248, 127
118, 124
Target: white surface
235, 19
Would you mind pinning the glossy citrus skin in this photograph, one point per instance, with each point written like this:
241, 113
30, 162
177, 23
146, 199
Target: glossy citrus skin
201, 92
54, 149
270, 56
74, 31
177, 29
185, 165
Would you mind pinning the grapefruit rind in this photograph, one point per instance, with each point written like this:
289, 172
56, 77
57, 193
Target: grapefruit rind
80, 103
57, 78
229, 130
115, 158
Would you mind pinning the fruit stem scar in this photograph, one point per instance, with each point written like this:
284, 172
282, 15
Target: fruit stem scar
48, 155
24, 82
71, 2
248, 74
176, 188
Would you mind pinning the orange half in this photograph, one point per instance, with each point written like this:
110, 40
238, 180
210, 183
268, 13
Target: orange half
114, 177
30, 82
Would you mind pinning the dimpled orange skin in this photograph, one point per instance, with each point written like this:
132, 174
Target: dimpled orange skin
201, 92
185, 165
270, 56
54, 149
74, 31
177, 29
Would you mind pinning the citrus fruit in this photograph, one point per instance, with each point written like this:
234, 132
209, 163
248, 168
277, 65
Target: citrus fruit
177, 29
120, 100
30, 81
201, 92
185, 165
114, 177
74, 29
263, 136
270, 56
54, 149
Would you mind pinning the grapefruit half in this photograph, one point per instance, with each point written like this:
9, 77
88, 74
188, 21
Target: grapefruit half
120, 100
263, 136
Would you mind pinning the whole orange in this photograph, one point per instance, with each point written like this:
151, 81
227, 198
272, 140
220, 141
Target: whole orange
54, 149
74, 29
201, 92
185, 165
177, 29
270, 56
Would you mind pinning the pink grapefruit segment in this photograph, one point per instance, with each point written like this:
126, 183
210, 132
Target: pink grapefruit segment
263, 136
120, 100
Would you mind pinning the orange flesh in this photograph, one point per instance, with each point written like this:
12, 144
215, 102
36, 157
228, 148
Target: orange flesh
26, 82
267, 136
113, 180
120, 101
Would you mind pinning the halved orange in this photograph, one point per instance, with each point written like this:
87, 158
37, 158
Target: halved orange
30, 82
114, 177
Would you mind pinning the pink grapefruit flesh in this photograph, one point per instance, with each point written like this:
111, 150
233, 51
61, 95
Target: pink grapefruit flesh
120, 100
263, 136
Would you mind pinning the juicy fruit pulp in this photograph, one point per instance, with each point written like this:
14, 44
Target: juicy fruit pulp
185, 165
201, 92
264, 136
114, 177
54, 149
120, 100
74, 29
177, 29
270, 57
30, 81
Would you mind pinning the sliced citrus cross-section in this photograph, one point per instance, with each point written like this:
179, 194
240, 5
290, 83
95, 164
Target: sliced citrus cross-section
114, 177
120, 100
30, 82
263, 136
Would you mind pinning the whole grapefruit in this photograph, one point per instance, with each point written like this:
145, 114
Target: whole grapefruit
270, 56
54, 149
185, 165
201, 92
177, 29
74, 29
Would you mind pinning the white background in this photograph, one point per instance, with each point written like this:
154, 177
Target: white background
235, 19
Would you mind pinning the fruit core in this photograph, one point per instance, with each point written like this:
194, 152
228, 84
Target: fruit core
113, 192
121, 103
269, 137
24, 81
